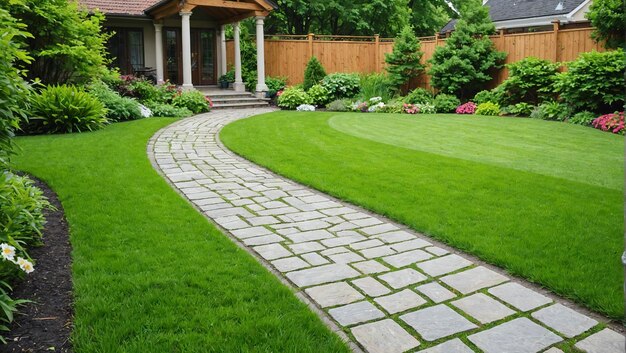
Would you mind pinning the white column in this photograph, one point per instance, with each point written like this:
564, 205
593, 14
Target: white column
261, 87
186, 34
223, 62
218, 52
158, 37
238, 85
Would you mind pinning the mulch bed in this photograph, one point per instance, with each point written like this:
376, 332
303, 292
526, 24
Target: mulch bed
45, 324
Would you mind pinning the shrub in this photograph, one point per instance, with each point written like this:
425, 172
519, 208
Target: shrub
530, 80
465, 62
404, 62
340, 85
495, 95
488, 108
610, 122
551, 110
313, 74
427, 108
376, 85
446, 103
62, 109
609, 22
594, 82
338, 105
292, 97
318, 95
519, 109
467, 108
144, 90
167, 110
118, 108
419, 96
193, 100
582, 118
275, 84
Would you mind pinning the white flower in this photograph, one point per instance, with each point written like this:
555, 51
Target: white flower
25, 265
376, 99
305, 108
145, 111
374, 108
8, 252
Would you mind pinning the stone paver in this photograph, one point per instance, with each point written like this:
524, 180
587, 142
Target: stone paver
384, 336
347, 259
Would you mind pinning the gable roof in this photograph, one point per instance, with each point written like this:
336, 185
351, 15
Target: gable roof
130, 7
504, 10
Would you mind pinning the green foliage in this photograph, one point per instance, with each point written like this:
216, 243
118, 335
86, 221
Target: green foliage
292, 97
145, 90
376, 85
193, 100
167, 110
118, 108
9, 308
65, 109
530, 80
446, 103
488, 108
551, 110
609, 21
318, 95
341, 85
338, 105
13, 89
426, 108
68, 43
394, 107
594, 82
582, 118
275, 84
519, 109
228, 76
465, 63
313, 74
419, 96
404, 62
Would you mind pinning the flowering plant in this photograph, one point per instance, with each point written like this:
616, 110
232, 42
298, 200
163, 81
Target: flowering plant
610, 122
8, 254
375, 100
410, 108
467, 108
376, 107
209, 101
360, 107
426, 108
279, 93
305, 108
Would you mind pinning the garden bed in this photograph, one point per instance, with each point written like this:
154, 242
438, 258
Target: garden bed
46, 323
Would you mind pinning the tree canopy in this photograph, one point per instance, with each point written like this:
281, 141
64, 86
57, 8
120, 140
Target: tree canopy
609, 19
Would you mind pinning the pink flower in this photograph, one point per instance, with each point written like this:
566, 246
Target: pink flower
610, 122
467, 108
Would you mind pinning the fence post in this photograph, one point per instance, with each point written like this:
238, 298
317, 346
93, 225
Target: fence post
556, 25
310, 39
436, 39
377, 48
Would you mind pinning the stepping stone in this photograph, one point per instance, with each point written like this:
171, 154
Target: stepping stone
410, 245
262, 220
382, 228
401, 301
289, 264
264, 239
364, 222
251, 232
565, 320
474, 279
436, 292
483, 308
334, 294
343, 240
516, 336
366, 244
407, 258
402, 278
377, 252
309, 236
451, 346
272, 251
322, 274
302, 248
437, 322
346, 257
371, 287
516, 295
355, 313
333, 251
384, 336
314, 259
437, 250
605, 341
395, 237
370, 267
444, 265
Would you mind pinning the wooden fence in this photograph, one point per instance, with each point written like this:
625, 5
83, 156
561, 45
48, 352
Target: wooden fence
288, 55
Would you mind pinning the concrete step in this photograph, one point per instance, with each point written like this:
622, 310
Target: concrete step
251, 104
235, 99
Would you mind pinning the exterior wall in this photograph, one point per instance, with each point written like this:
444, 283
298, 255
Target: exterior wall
580, 15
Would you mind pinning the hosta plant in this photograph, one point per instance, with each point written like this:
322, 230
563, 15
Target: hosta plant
426, 108
341, 85
319, 95
292, 97
582, 118
488, 108
193, 100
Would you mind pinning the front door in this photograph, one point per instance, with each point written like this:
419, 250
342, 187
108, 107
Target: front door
203, 58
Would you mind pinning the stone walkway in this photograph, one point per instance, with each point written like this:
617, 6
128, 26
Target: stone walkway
389, 288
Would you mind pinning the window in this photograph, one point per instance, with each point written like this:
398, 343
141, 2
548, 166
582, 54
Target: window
126, 49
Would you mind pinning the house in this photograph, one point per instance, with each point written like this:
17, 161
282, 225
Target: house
533, 15
183, 41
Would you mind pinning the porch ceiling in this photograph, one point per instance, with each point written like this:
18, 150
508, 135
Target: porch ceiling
220, 11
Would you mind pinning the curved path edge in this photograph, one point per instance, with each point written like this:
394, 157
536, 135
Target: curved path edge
391, 288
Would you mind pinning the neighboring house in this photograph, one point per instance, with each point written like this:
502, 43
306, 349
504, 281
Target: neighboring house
183, 41
533, 15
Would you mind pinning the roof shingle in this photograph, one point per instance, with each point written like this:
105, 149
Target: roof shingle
119, 7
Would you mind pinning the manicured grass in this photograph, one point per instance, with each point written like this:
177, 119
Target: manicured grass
150, 273
541, 199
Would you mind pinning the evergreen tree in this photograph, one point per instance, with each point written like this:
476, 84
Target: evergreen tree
404, 62
313, 73
464, 64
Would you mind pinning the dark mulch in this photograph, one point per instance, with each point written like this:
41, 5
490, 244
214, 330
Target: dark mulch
45, 324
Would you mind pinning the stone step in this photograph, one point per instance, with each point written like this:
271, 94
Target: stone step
235, 99
252, 104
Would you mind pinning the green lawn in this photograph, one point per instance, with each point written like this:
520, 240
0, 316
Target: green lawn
540, 199
150, 273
